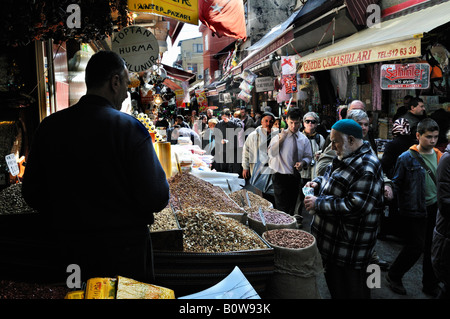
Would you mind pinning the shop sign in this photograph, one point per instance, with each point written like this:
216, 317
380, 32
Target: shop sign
264, 84
182, 10
394, 51
405, 76
138, 47
225, 98
12, 164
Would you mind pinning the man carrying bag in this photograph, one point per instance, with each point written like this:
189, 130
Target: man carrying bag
255, 158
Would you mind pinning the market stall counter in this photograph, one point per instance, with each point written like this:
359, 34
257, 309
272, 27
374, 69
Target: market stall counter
213, 244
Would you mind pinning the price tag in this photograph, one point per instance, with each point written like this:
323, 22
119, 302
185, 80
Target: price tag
12, 164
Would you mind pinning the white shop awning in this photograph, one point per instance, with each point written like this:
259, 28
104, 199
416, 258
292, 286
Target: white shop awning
394, 39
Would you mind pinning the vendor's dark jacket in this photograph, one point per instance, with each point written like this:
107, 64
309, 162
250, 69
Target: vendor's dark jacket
94, 176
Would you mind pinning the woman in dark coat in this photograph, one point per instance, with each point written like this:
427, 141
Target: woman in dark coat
401, 142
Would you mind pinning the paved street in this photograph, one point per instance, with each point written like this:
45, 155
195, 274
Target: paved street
387, 250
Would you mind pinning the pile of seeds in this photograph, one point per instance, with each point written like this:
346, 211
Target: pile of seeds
255, 200
189, 191
289, 238
164, 220
272, 216
206, 232
20, 290
12, 202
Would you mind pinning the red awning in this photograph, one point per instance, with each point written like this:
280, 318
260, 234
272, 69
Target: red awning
171, 85
179, 74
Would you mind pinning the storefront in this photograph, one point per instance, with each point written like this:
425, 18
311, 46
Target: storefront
359, 59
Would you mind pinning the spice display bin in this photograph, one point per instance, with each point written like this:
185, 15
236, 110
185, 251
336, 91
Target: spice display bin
169, 240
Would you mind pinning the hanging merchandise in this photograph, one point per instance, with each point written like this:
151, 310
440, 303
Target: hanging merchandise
225, 98
441, 55
201, 100
290, 82
436, 71
339, 80
288, 71
179, 98
226, 63
282, 95
185, 86
244, 96
288, 65
303, 87
276, 68
248, 76
247, 85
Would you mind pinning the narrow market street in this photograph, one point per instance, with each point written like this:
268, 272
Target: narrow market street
388, 250
199, 122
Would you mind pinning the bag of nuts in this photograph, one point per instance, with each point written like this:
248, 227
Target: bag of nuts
297, 264
275, 219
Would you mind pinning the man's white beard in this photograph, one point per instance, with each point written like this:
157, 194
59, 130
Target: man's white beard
346, 151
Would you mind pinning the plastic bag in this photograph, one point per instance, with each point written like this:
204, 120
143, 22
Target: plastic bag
309, 191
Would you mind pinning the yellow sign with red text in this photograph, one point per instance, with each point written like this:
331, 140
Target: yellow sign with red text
182, 10
394, 51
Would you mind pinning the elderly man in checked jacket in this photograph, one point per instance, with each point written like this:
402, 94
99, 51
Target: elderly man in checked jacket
347, 206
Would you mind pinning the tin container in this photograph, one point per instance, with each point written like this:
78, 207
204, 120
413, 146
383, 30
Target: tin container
101, 288
163, 151
78, 294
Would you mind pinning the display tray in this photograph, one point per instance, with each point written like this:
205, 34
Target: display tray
188, 273
169, 240
242, 218
259, 228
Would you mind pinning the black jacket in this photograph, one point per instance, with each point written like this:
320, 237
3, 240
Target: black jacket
441, 238
94, 176
392, 151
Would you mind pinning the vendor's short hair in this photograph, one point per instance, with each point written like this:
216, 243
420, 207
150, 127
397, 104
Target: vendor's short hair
101, 67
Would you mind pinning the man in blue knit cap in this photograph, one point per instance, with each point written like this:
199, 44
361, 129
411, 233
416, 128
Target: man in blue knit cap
347, 204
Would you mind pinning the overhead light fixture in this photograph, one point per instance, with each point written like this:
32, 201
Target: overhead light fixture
157, 100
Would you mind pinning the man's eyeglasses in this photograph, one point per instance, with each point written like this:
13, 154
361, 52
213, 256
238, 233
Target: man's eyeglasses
310, 121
